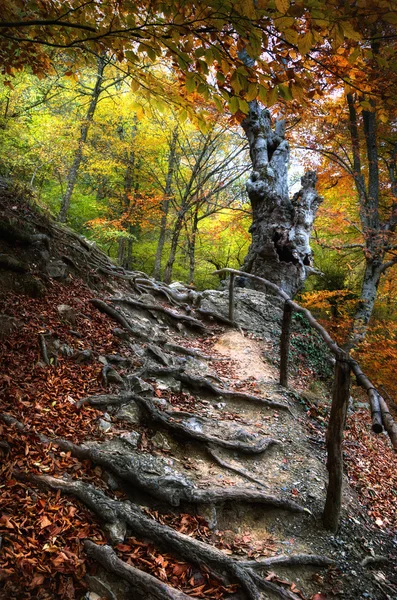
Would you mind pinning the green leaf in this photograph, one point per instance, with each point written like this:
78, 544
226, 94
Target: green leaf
285, 92
243, 104
190, 82
305, 43
262, 94
234, 105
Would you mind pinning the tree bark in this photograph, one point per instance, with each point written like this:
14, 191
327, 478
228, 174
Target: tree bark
337, 418
166, 204
174, 245
74, 169
369, 291
281, 228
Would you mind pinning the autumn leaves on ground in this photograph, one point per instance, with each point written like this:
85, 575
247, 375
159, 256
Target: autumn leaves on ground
42, 531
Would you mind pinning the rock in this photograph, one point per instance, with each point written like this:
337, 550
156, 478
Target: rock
161, 441
111, 480
121, 333
92, 596
106, 585
56, 269
161, 402
132, 438
67, 314
139, 386
104, 425
169, 384
110, 375
66, 351
83, 356
117, 359
255, 311
158, 354
129, 413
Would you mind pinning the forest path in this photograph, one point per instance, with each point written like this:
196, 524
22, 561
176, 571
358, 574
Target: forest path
248, 354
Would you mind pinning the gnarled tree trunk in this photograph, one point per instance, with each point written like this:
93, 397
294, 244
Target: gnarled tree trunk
281, 227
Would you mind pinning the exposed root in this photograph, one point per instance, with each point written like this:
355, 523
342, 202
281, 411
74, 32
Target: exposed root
169, 422
201, 383
113, 313
119, 515
288, 561
216, 316
9, 420
143, 583
43, 349
185, 319
230, 467
130, 467
187, 351
106, 400
12, 264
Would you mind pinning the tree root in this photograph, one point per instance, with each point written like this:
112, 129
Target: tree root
117, 316
187, 351
230, 467
289, 560
12, 264
129, 466
143, 583
201, 383
166, 420
185, 319
121, 515
105, 400
216, 316
43, 349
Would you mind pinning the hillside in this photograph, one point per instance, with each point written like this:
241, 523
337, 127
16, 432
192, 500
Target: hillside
148, 450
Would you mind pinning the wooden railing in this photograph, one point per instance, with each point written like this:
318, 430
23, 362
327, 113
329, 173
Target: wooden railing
344, 365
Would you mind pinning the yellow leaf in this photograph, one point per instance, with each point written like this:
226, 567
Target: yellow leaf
282, 6
252, 92
247, 9
272, 97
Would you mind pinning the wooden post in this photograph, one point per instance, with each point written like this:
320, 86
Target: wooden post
337, 418
231, 297
284, 343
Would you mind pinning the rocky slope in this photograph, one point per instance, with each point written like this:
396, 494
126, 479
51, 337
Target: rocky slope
148, 449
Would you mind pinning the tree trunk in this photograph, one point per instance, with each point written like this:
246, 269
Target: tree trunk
166, 204
174, 245
280, 249
192, 246
74, 169
369, 291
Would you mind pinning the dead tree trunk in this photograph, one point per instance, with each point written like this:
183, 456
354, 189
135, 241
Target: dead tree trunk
281, 227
